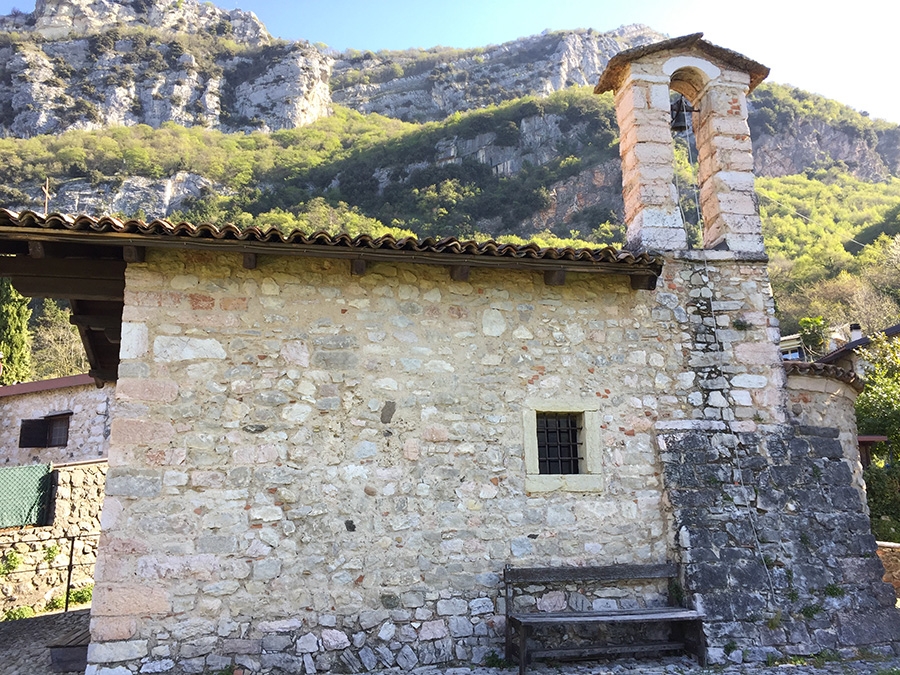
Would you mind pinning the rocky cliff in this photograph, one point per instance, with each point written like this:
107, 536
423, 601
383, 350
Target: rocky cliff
61, 19
136, 76
419, 85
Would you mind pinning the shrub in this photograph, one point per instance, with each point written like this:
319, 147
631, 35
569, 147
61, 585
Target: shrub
17, 613
81, 596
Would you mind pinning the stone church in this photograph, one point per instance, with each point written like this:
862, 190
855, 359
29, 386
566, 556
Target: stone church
325, 450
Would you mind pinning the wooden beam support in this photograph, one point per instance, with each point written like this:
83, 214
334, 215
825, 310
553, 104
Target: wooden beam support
643, 282
103, 374
460, 272
250, 261
95, 322
134, 254
62, 268
14, 247
555, 277
114, 335
36, 249
357, 267
70, 289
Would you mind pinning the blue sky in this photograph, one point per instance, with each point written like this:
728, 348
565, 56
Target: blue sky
845, 50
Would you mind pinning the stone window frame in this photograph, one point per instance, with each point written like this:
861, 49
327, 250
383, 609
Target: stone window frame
590, 478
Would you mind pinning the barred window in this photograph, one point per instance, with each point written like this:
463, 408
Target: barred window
559, 442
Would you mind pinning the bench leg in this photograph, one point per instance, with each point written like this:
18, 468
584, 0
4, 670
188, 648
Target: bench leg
524, 631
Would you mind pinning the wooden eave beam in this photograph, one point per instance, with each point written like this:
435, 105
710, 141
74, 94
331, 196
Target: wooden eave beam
64, 288
95, 322
120, 239
71, 268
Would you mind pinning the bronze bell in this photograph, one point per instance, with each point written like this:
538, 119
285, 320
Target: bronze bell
680, 110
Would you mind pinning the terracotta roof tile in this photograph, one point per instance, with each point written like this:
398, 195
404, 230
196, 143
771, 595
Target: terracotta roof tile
158, 229
612, 76
824, 370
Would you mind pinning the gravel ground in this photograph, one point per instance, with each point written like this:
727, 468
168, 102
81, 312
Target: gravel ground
23, 651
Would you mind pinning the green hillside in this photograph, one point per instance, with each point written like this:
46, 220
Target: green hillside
828, 233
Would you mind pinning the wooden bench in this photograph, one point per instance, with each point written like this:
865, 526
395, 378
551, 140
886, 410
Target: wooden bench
69, 652
686, 631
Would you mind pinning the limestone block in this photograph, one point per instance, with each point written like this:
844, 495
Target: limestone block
659, 97
173, 348
113, 652
654, 153
133, 483
433, 630
334, 639
453, 606
308, 644
125, 431
134, 342
107, 629
279, 626
126, 600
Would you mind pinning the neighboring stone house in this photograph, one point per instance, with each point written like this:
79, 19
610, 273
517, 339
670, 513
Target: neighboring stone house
68, 417
62, 424
324, 450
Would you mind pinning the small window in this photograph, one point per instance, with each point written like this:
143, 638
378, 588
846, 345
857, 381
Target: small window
559, 442
562, 444
51, 431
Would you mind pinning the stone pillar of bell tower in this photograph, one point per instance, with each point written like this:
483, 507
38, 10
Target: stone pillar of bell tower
716, 81
652, 215
727, 196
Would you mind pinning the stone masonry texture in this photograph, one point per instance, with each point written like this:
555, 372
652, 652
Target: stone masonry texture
312, 471
40, 577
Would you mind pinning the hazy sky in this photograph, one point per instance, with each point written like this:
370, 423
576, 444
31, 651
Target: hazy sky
846, 50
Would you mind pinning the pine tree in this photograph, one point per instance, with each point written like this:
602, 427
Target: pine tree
15, 340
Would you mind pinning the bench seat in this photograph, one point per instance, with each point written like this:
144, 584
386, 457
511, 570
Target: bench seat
69, 652
687, 623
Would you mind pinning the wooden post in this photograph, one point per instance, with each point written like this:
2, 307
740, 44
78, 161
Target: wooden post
46, 189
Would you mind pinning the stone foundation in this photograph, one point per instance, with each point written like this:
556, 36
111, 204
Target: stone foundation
41, 576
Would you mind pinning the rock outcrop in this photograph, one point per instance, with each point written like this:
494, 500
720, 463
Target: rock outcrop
813, 143
146, 197
60, 19
418, 85
126, 77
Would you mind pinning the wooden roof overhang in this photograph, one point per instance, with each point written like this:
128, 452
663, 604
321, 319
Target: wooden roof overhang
83, 260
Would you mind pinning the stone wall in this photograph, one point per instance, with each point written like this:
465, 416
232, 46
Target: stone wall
312, 467
44, 551
88, 426
313, 470
819, 400
771, 525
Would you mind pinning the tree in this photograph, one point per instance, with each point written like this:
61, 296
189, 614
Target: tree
15, 339
57, 349
878, 406
813, 334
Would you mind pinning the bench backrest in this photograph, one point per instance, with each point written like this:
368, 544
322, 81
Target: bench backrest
537, 575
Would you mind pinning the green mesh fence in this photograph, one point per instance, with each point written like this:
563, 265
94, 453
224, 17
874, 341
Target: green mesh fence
24, 495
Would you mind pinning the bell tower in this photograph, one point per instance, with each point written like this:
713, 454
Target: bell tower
716, 82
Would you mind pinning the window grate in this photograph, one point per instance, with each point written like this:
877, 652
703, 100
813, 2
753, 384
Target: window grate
558, 441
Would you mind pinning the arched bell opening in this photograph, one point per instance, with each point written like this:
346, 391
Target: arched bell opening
685, 86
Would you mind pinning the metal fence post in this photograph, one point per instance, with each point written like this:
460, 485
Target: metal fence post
71, 565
